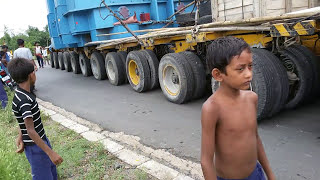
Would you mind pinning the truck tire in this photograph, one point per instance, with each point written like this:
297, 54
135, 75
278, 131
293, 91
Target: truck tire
205, 19
67, 62
300, 89
123, 55
60, 59
51, 60
154, 67
280, 83
55, 59
115, 69
205, 8
262, 85
315, 66
98, 67
75, 64
138, 71
176, 78
198, 72
85, 65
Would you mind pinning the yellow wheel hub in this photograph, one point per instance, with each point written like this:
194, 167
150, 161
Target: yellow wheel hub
134, 72
171, 80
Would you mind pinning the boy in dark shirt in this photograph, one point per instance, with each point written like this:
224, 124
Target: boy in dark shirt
231, 146
32, 138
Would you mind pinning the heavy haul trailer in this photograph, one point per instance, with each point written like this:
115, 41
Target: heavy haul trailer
286, 71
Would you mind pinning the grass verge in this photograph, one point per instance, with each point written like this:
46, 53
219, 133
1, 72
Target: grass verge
82, 159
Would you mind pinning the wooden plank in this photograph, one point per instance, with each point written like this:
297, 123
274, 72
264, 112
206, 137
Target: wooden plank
236, 17
215, 11
300, 3
288, 5
257, 8
238, 10
275, 4
299, 8
275, 12
234, 4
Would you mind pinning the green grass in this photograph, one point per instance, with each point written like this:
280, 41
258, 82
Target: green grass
82, 159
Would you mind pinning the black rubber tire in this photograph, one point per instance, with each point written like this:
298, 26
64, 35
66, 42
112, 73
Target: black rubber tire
205, 19
280, 83
205, 8
142, 67
123, 55
154, 67
67, 62
186, 79
85, 65
304, 75
55, 59
198, 73
263, 83
315, 66
75, 64
60, 59
114, 62
97, 66
51, 60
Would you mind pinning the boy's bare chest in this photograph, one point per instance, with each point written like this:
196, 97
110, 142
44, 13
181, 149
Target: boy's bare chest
238, 118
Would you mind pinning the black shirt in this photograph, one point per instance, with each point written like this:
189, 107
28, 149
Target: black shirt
24, 105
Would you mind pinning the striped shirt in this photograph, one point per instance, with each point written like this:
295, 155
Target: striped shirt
24, 105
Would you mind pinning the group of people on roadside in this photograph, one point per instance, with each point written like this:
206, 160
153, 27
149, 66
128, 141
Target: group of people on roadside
22, 52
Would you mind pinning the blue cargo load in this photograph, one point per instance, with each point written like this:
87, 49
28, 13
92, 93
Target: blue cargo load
73, 23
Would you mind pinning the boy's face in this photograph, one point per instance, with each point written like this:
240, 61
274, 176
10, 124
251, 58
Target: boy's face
33, 78
239, 72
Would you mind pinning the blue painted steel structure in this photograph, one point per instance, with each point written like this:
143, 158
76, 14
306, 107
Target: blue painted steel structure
72, 23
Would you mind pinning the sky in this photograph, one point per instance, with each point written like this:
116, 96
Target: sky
17, 15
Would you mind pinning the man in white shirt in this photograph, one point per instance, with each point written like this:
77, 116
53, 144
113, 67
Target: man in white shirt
23, 52
45, 56
38, 53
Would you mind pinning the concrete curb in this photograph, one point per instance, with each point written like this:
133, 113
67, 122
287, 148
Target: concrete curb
158, 163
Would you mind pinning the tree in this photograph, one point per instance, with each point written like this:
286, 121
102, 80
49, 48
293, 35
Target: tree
30, 36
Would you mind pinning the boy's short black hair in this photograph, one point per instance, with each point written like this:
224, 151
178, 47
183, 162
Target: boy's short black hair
19, 69
20, 42
4, 47
222, 50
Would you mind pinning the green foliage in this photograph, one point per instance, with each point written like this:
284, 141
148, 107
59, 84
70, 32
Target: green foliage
30, 36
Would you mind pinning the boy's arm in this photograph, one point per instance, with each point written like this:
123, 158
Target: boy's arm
208, 123
19, 143
262, 157
55, 158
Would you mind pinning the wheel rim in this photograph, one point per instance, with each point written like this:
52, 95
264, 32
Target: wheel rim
171, 80
94, 68
134, 72
82, 64
111, 72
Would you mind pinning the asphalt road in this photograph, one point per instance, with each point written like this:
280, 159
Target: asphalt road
291, 139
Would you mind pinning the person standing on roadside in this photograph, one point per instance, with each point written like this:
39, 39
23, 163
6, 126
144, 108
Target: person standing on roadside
3, 93
32, 137
45, 56
38, 53
25, 53
5, 58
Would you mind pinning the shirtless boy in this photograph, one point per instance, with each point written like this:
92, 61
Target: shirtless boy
231, 147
